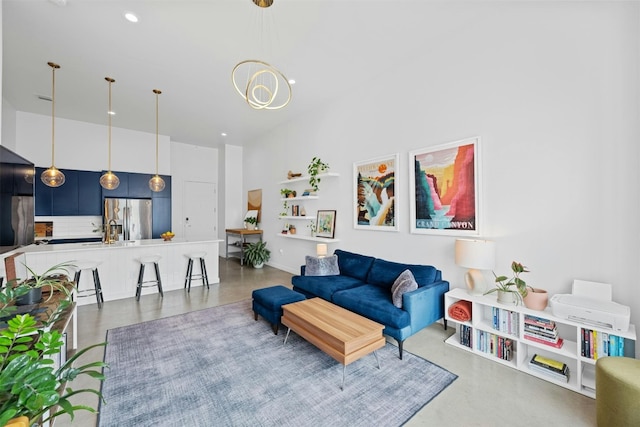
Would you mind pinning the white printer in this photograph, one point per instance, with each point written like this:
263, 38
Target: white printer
591, 305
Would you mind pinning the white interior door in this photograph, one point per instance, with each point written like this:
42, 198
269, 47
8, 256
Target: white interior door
200, 210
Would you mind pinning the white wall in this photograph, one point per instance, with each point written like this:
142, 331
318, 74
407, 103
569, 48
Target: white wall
189, 163
552, 89
8, 113
235, 197
81, 145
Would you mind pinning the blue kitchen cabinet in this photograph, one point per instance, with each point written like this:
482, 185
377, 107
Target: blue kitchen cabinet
43, 195
89, 193
139, 186
161, 216
65, 198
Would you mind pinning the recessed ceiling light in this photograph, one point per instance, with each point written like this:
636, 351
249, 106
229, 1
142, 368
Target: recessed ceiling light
292, 81
113, 113
223, 134
131, 17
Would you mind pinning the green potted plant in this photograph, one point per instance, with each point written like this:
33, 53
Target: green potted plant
30, 385
315, 168
287, 193
312, 227
511, 290
257, 254
51, 280
253, 221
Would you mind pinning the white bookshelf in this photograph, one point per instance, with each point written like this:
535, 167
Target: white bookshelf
581, 369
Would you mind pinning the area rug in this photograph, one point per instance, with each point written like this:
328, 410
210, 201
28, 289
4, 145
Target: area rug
219, 367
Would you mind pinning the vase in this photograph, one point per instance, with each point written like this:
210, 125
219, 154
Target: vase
258, 265
34, 296
536, 299
507, 298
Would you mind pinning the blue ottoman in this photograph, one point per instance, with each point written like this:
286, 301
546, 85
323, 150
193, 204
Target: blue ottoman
268, 302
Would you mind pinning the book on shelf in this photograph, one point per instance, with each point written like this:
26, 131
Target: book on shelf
549, 364
594, 344
549, 373
553, 343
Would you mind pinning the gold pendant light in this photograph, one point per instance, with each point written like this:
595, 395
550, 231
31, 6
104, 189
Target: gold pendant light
109, 180
156, 183
53, 177
260, 84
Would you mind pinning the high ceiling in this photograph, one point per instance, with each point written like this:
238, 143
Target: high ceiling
187, 49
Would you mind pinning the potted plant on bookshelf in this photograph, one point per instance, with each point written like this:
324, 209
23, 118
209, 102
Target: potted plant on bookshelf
257, 254
511, 290
32, 388
315, 168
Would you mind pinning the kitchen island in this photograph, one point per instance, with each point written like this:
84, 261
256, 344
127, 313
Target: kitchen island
119, 269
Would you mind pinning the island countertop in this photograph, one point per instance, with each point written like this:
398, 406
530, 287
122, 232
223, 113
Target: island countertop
119, 267
66, 247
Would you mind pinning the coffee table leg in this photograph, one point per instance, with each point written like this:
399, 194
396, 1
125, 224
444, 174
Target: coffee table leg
344, 368
286, 336
377, 360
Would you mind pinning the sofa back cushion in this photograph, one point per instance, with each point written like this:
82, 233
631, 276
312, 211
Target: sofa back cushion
354, 265
384, 273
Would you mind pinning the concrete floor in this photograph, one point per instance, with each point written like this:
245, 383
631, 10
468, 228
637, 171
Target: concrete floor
485, 393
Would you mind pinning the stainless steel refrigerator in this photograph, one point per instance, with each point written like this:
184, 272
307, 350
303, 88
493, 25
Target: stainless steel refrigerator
132, 218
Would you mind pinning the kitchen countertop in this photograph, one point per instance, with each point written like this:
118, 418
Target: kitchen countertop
117, 245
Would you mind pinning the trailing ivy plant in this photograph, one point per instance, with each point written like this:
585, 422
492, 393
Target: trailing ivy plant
316, 167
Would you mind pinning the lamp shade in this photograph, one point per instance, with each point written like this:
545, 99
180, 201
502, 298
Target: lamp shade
321, 250
476, 254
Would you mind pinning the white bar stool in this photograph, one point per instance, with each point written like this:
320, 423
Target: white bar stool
203, 270
92, 265
148, 259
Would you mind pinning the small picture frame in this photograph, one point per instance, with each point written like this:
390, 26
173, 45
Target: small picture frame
326, 224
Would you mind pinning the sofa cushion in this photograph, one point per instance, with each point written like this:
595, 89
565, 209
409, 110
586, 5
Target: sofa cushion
326, 266
324, 286
354, 265
384, 273
373, 302
403, 284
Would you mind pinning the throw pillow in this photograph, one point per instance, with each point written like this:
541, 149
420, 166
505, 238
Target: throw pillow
327, 266
404, 283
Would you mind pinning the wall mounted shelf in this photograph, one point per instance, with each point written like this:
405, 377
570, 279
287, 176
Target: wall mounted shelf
313, 239
306, 177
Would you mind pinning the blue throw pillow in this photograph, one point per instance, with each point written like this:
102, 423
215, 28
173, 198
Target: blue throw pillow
404, 283
327, 266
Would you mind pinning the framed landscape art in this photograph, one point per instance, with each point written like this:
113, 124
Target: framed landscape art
326, 224
375, 197
444, 189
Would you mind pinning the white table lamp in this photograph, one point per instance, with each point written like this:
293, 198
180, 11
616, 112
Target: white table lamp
321, 250
475, 255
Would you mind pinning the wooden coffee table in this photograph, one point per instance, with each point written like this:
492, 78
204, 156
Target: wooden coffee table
343, 335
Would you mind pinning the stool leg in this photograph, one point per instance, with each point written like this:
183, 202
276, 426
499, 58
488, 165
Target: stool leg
190, 272
155, 264
203, 269
186, 277
139, 287
96, 286
76, 279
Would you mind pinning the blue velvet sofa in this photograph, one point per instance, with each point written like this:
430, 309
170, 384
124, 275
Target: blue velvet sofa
364, 287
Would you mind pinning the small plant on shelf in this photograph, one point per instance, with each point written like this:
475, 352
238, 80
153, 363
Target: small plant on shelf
316, 167
312, 227
514, 285
287, 193
257, 254
253, 221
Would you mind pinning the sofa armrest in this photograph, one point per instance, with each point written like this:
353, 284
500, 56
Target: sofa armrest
425, 305
302, 269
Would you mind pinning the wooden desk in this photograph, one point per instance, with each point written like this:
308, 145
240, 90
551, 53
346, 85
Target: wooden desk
241, 234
